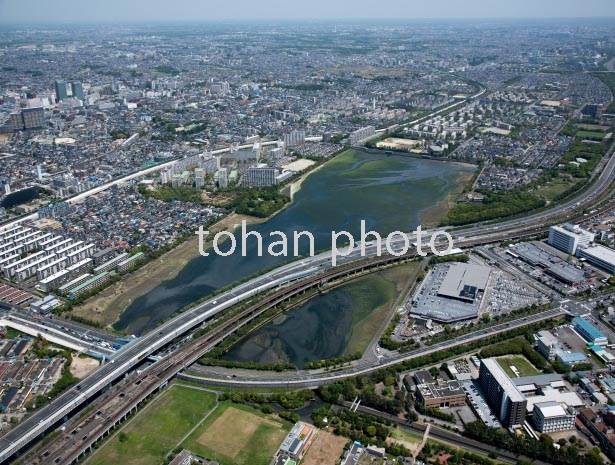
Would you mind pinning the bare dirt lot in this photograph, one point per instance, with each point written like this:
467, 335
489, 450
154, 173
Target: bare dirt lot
236, 432
325, 449
82, 367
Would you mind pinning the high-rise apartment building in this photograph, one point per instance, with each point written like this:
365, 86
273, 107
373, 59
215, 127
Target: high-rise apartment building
503, 396
61, 88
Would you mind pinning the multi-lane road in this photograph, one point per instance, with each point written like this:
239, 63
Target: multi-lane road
304, 380
135, 352
63, 332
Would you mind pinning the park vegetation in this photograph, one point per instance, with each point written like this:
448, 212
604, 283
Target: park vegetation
543, 449
289, 400
332, 362
588, 145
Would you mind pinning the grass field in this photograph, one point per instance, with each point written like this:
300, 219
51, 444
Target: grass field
158, 428
593, 127
593, 135
372, 297
410, 441
238, 435
402, 435
520, 363
556, 187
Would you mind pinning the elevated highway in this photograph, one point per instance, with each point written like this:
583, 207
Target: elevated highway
305, 269
305, 272
81, 435
306, 380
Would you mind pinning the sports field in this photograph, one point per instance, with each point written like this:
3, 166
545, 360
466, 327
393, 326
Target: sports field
238, 435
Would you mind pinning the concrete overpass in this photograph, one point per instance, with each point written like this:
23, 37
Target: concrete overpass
123, 360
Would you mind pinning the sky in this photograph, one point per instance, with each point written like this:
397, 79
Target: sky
242, 10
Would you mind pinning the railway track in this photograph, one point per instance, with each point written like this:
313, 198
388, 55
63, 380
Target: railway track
436, 433
73, 444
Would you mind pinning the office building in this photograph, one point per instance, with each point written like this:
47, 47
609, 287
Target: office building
77, 89
16, 121
589, 332
433, 394
569, 237
593, 110
61, 88
33, 118
547, 344
550, 417
28, 118
551, 349
45, 305
503, 396
598, 255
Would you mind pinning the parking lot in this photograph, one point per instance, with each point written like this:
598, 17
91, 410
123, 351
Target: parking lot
479, 404
505, 293
572, 342
427, 304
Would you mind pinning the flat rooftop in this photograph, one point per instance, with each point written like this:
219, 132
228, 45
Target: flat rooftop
503, 380
550, 409
599, 252
593, 332
429, 304
464, 280
549, 394
436, 391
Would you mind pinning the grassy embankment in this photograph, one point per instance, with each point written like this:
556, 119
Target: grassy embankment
372, 297
106, 307
157, 429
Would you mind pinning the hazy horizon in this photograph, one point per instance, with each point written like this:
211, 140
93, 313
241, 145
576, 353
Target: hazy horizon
63, 11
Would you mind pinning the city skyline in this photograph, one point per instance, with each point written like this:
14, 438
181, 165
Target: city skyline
409, 211
243, 10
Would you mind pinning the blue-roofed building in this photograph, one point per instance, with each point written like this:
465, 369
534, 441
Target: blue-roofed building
605, 356
570, 358
589, 332
550, 347
609, 384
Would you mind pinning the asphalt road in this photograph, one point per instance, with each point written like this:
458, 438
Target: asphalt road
123, 360
303, 379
